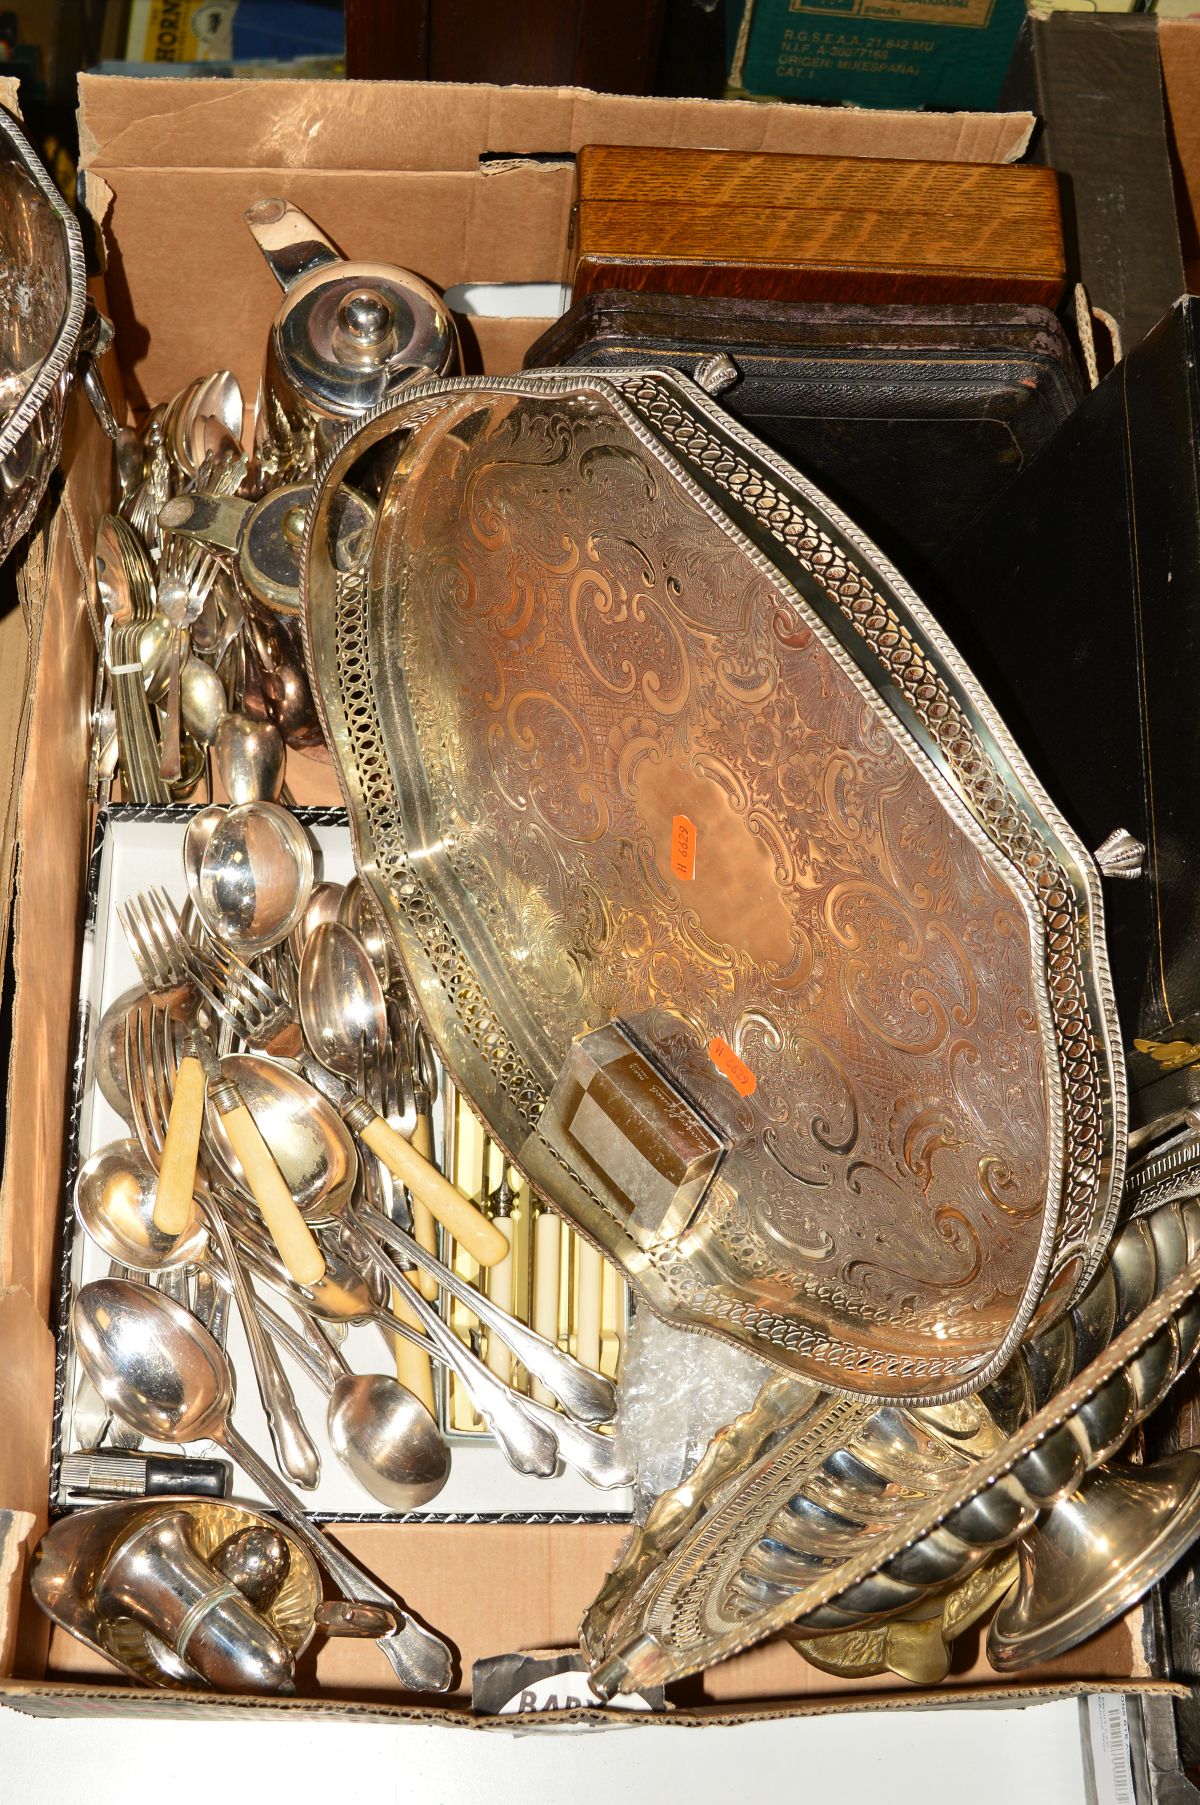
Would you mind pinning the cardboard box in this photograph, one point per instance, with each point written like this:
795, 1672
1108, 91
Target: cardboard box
460, 184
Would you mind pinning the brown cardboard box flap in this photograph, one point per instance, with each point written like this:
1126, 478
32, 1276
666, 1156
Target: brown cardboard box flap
51, 833
16, 1532
44, 1698
15, 668
27, 1361
1179, 50
394, 173
213, 124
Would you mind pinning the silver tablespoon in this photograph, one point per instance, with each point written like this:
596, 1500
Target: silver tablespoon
528, 1443
154, 1365
114, 1200
202, 701
359, 913
256, 876
343, 1296
343, 1289
377, 1428
322, 906
593, 1455
218, 404
343, 1012
251, 758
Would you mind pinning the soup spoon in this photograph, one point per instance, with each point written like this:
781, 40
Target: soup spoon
255, 879
378, 1429
115, 1196
343, 1297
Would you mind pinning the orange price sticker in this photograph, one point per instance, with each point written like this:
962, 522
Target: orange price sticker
730, 1066
683, 848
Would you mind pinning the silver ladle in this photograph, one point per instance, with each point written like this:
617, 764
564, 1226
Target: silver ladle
159, 1369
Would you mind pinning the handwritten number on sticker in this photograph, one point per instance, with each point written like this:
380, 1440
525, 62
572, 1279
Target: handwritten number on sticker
683, 848
730, 1066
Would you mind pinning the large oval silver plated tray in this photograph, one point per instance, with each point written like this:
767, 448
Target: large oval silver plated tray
43, 295
633, 724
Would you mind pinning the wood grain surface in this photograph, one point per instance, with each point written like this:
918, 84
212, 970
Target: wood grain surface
817, 228
619, 172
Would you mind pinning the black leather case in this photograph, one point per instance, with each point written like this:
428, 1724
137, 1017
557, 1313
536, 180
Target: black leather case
911, 418
1076, 599
1094, 82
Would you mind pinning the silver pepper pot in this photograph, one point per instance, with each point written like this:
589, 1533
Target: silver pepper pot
157, 1576
347, 336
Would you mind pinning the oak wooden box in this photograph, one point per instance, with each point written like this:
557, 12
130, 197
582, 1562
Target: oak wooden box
801, 228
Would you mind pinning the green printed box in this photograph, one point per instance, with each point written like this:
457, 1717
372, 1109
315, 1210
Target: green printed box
883, 53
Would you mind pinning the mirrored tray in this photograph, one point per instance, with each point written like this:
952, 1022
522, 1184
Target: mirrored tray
633, 724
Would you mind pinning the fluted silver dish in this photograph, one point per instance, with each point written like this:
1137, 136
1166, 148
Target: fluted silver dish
812, 1511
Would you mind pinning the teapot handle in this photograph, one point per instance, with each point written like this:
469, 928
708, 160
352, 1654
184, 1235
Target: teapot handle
292, 245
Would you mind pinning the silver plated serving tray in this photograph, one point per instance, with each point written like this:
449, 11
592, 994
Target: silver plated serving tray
633, 725
43, 299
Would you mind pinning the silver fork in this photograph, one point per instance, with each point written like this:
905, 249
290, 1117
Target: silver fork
174, 1281
171, 968
175, 975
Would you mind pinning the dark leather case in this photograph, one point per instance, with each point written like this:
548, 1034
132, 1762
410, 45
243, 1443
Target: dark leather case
1076, 599
909, 418
1096, 84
